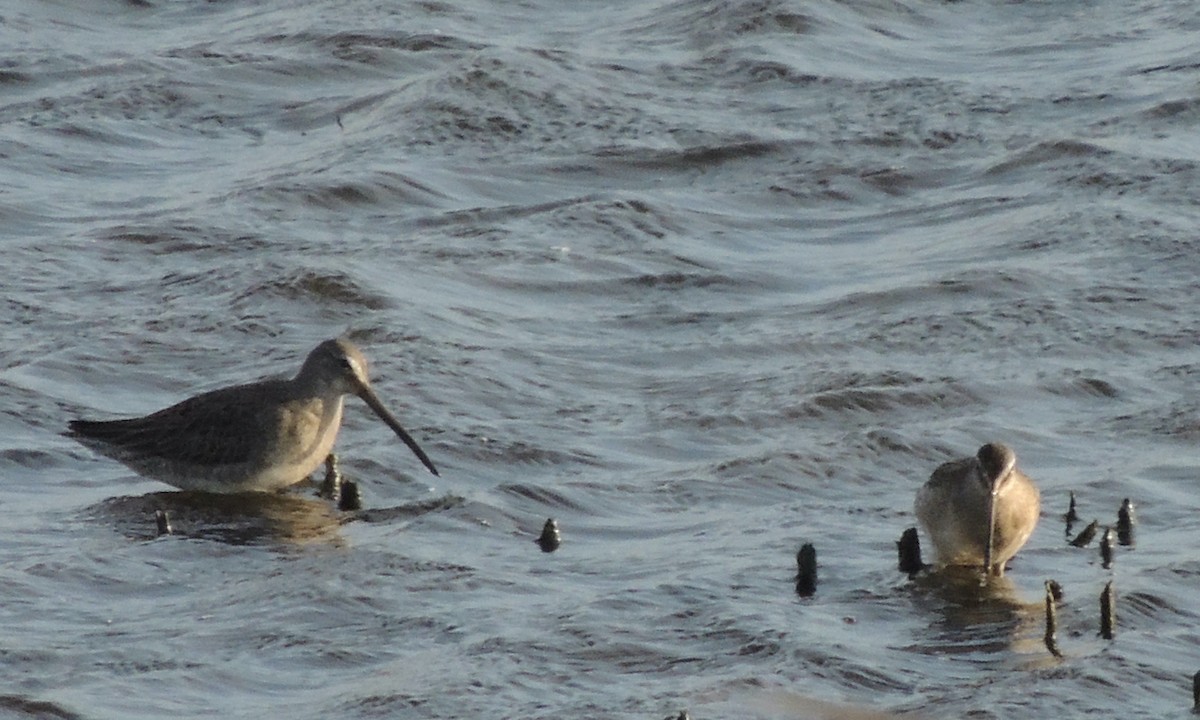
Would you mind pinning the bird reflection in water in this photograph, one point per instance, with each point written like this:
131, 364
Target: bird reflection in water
241, 519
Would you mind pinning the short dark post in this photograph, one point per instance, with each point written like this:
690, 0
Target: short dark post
164, 522
909, 550
1086, 535
1125, 523
1070, 515
806, 574
550, 538
1106, 548
1108, 612
1052, 618
348, 498
333, 478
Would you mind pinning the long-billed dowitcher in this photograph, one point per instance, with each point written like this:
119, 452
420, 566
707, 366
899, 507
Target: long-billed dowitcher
979, 510
262, 436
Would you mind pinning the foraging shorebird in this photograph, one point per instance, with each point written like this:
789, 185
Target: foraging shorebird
261, 437
979, 510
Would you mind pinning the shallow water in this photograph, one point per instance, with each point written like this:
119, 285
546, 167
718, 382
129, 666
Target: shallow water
701, 280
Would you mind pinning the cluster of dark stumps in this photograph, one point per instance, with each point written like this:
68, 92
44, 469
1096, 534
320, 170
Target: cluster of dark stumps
909, 551
1108, 603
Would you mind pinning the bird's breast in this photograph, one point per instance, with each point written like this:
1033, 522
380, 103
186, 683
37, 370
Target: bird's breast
304, 436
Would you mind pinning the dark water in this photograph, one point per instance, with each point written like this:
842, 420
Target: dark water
702, 280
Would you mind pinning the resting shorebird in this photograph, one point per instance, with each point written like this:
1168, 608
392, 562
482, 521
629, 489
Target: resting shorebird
261, 437
979, 510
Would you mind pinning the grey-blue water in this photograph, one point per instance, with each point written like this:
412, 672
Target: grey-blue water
701, 279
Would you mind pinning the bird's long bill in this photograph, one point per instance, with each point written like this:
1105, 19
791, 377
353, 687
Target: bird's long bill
371, 399
991, 535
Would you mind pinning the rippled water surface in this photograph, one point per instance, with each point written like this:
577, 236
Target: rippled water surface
701, 279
